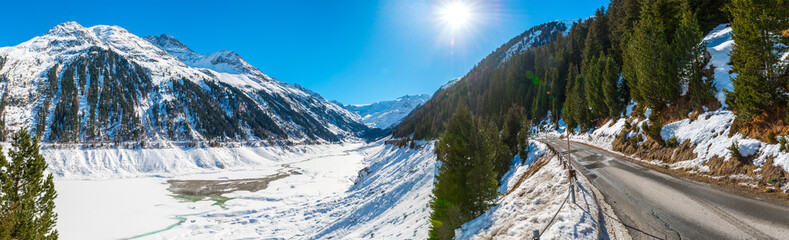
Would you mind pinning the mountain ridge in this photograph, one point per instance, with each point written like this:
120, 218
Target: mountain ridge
386, 114
104, 84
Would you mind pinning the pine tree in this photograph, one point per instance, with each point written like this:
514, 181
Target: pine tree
755, 58
523, 140
568, 112
691, 56
466, 180
510, 128
622, 16
593, 75
482, 180
27, 197
580, 106
653, 64
612, 89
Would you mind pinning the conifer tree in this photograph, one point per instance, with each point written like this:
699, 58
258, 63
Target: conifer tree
523, 140
580, 107
510, 128
612, 90
629, 70
691, 56
622, 16
756, 26
593, 76
27, 196
482, 180
653, 64
466, 180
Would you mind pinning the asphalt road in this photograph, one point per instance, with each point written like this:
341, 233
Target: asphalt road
654, 205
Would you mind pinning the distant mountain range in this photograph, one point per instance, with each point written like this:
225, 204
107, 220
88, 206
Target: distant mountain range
104, 84
386, 114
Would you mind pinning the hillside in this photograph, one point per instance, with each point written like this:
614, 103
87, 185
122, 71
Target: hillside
103, 84
492, 86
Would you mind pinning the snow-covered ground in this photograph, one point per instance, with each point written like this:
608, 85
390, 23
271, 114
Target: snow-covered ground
119, 208
531, 201
331, 197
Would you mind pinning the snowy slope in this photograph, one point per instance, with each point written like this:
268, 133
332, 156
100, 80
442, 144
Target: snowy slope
531, 201
719, 44
104, 84
386, 114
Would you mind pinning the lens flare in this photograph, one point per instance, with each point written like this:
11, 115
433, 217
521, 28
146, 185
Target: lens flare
456, 14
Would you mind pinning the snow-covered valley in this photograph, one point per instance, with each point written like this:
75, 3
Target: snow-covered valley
330, 195
340, 191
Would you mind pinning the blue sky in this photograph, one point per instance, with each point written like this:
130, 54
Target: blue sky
351, 51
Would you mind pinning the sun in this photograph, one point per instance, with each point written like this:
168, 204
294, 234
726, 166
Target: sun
456, 14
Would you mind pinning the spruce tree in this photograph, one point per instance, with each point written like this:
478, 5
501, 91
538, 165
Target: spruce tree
653, 63
691, 56
629, 70
510, 128
568, 112
756, 26
622, 16
466, 180
27, 196
579, 103
482, 180
593, 76
523, 140
612, 89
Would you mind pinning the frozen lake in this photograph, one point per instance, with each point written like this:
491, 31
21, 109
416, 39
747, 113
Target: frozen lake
144, 208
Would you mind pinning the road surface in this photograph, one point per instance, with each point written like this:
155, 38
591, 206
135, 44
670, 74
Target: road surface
654, 205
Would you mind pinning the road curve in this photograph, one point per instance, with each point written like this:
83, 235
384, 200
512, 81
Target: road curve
654, 205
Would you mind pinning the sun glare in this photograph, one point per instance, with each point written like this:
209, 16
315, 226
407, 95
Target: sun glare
456, 14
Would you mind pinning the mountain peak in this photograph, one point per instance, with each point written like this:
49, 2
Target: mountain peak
168, 43
66, 28
222, 61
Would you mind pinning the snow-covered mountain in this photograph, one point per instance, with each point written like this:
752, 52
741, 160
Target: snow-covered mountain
385, 114
104, 84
